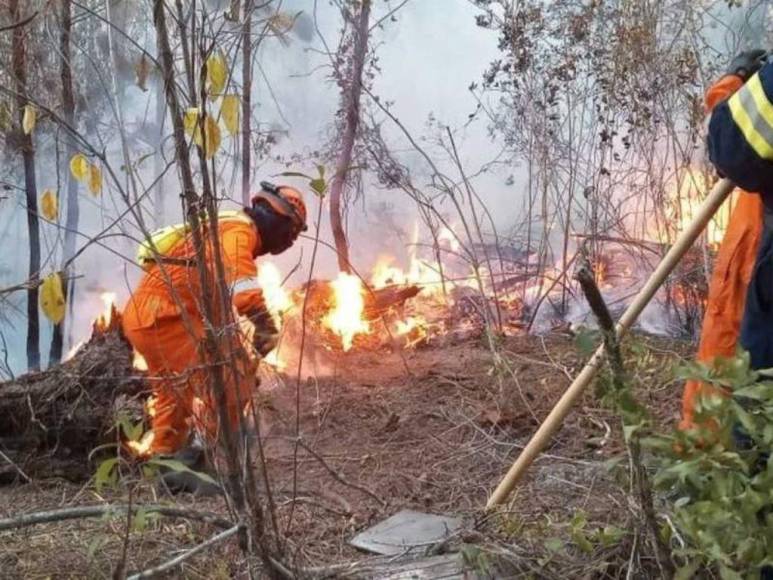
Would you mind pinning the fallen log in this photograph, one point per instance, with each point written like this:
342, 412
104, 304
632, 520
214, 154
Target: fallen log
51, 421
376, 301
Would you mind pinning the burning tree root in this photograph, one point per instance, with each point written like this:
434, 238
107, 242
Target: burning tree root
50, 421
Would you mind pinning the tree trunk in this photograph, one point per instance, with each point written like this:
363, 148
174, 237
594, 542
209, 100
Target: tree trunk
158, 161
351, 102
19, 65
212, 315
73, 210
246, 102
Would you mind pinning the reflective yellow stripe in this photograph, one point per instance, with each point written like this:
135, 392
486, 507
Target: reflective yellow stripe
753, 114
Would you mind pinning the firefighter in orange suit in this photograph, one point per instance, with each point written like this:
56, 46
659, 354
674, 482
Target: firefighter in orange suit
163, 319
726, 308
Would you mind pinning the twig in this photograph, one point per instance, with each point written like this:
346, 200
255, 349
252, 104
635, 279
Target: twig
8, 460
120, 569
20, 23
338, 477
95, 511
176, 561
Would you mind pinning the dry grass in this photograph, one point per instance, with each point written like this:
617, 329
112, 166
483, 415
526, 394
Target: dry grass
436, 437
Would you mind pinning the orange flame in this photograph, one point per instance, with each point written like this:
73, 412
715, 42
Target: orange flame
138, 362
413, 328
345, 319
108, 299
277, 299
688, 193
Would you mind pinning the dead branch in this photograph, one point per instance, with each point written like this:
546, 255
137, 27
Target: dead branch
176, 561
338, 477
584, 276
18, 469
20, 23
96, 511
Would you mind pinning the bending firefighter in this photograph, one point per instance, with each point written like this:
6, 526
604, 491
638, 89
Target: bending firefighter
740, 141
163, 318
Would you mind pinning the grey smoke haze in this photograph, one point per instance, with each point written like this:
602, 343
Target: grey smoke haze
428, 58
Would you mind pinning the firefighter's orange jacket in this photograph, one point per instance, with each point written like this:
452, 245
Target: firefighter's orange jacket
163, 321
732, 271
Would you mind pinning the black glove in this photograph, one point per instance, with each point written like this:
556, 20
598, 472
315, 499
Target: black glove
266, 335
747, 63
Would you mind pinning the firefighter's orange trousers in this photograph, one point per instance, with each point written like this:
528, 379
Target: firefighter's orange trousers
727, 291
183, 398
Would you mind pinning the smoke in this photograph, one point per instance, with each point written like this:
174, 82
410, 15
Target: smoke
428, 55
296, 101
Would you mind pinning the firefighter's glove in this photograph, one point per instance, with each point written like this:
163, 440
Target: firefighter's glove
747, 63
266, 334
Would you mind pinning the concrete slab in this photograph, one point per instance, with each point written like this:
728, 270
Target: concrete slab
406, 531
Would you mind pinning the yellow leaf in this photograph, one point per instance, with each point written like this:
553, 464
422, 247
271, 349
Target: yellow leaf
49, 205
29, 119
191, 119
79, 166
229, 110
211, 137
52, 298
95, 180
217, 74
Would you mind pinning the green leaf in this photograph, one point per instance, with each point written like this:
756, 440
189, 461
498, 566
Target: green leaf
726, 573
585, 341
144, 518
555, 545
178, 466
132, 431
107, 474
610, 536
295, 174
687, 572
630, 430
582, 541
319, 186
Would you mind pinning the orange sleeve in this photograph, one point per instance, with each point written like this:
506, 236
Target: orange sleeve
721, 90
239, 243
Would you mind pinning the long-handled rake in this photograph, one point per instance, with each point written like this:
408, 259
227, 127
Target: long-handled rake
555, 419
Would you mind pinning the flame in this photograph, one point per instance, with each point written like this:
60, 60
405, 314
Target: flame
138, 362
71, 353
413, 328
447, 235
277, 299
687, 195
142, 447
419, 272
345, 318
274, 360
108, 299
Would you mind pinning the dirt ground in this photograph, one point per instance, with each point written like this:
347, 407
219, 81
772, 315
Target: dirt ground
432, 429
